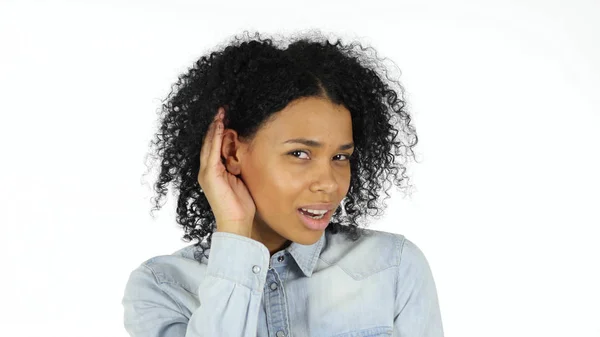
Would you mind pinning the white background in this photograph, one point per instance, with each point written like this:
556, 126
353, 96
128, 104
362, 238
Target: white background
504, 97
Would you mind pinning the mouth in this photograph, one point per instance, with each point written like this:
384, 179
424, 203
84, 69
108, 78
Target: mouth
315, 223
313, 216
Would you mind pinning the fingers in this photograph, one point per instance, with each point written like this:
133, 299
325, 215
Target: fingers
214, 156
209, 143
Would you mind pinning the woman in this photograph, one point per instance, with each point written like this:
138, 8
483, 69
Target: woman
264, 143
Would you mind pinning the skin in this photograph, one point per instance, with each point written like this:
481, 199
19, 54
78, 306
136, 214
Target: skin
282, 177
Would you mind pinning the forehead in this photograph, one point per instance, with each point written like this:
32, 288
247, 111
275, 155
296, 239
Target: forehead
314, 118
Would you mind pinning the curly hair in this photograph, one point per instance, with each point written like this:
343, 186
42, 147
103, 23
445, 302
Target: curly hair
253, 78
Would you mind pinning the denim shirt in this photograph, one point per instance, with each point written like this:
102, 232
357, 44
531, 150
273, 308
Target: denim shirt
380, 285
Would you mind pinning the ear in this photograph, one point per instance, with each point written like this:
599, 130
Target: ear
232, 150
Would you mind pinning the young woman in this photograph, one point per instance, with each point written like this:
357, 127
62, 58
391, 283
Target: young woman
276, 153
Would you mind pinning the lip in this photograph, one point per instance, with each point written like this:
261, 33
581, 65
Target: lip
327, 206
313, 224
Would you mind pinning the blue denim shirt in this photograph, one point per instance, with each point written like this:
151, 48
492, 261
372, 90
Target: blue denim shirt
380, 285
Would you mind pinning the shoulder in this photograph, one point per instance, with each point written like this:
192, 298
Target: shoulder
160, 289
372, 252
411, 255
178, 269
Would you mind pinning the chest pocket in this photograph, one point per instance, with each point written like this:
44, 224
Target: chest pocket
380, 331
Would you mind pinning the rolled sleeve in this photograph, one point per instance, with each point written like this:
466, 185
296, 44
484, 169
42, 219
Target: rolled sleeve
239, 259
229, 294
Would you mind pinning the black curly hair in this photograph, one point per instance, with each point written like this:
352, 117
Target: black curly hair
256, 77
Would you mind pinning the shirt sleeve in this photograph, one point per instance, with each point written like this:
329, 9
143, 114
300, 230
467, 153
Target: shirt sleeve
229, 293
417, 307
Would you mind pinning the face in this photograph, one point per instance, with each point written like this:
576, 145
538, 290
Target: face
283, 176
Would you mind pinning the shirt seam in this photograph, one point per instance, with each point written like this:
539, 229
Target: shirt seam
159, 283
400, 249
398, 244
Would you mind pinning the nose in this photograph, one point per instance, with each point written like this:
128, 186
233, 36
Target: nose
326, 180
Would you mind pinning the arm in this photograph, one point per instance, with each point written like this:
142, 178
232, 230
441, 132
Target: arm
229, 294
417, 308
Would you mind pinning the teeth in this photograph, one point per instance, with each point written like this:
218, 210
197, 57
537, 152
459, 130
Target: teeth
315, 211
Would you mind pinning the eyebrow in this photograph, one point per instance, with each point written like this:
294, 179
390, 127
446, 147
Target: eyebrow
314, 143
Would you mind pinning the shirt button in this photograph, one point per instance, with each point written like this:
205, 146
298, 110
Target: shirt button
256, 269
280, 333
280, 258
273, 286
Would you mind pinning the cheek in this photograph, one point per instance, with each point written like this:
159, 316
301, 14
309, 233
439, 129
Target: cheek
286, 188
256, 180
273, 187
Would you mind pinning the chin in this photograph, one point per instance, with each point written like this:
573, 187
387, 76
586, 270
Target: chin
308, 238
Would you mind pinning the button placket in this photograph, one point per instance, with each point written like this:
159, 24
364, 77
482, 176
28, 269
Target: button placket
275, 302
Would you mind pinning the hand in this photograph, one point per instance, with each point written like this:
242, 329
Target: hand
227, 195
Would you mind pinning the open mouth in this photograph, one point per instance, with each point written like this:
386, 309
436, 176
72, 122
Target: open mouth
313, 216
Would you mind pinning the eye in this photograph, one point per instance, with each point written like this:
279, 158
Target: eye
348, 156
296, 151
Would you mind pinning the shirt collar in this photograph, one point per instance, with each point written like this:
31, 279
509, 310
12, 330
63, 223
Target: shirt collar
307, 256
